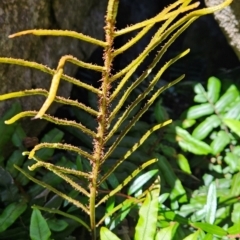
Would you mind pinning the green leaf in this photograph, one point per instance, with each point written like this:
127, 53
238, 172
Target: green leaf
39, 229
57, 225
236, 213
214, 87
147, 222
53, 136
187, 123
183, 163
234, 229
234, 111
189, 143
160, 112
178, 192
193, 236
10, 214
220, 142
8, 130
167, 233
227, 98
234, 125
235, 189
199, 89
106, 234
211, 205
232, 161
210, 228
200, 98
141, 180
205, 127
200, 111
208, 237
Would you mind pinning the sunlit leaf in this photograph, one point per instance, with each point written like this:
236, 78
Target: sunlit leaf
211, 205
200, 111
141, 180
147, 222
213, 87
234, 125
220, 142
205, 127
191, 144
235, 190
167, 233
106, 234
210, 228
227, 98
183, 163
39, 229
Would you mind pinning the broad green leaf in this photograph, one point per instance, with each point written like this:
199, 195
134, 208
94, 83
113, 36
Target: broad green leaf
235, 189
18, 136
232, 161
210, 228
168, 151
167, 233
208, 237
141, 180
16, 158
187, 123
57, 225
160, 112
147, 222
205, 127
234, 125
199, 89
211, 205
53, 136
8, 130
39, 229
10, 214
183, 163
200, 98
178, 192
235, 229
214, 87
220, 142
234, 111
106, 234
227, 98
236, 214
193, 236
189, 143
200, 111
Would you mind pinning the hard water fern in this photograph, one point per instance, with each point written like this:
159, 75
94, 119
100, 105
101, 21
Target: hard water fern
109, 119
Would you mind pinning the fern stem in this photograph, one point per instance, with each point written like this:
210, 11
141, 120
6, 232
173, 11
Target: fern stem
103, 116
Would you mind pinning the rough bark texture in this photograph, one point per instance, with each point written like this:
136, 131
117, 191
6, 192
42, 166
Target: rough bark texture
86, 16
229, 21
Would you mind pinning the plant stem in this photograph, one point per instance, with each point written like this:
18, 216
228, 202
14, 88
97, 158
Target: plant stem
103, 114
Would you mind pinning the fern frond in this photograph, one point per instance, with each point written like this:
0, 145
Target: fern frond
130, 151
53, 120
56, 168
48, 70
63, 146
156, 19
43, 92
60, 33
127, 180
49, 187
